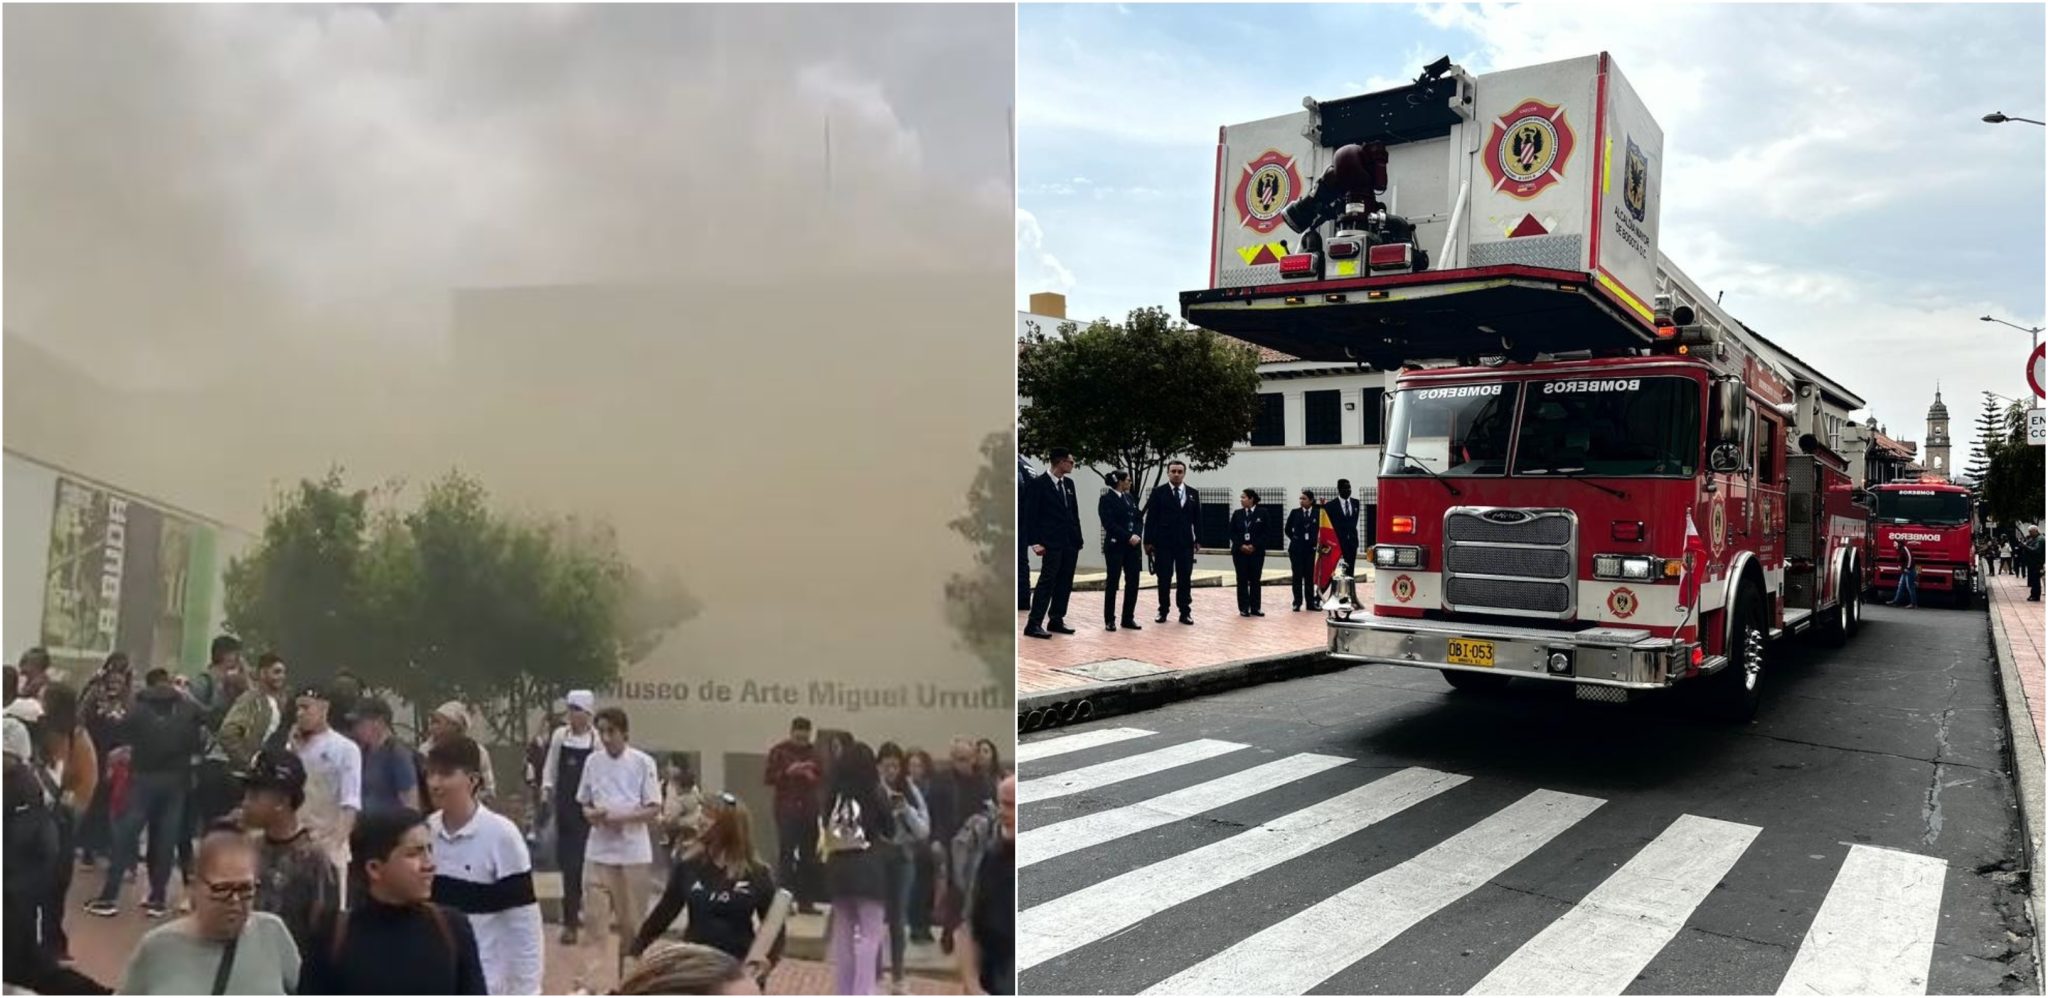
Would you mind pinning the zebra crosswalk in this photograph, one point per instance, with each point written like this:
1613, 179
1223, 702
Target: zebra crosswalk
1873, 932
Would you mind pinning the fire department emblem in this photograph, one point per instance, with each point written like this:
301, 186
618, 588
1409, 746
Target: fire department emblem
1528, 149
1720, 527
1403, 588
1622, 602
1635, 191
1266, 186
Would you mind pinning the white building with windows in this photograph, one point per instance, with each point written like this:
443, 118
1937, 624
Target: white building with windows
1318, 423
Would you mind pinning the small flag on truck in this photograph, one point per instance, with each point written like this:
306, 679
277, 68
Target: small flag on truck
1695, 564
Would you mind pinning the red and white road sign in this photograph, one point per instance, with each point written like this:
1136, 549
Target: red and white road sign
2037, 371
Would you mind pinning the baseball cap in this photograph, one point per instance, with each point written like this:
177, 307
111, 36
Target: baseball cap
312, 691
276, 769
582, 700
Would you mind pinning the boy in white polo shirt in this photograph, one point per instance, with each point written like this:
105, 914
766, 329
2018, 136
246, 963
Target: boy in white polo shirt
482, 868
621, 796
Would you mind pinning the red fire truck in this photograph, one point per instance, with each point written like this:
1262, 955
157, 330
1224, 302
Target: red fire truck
1592, 474
1934, 519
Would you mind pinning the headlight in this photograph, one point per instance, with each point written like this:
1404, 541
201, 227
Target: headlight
1388, 556
1632, 568
1635, 568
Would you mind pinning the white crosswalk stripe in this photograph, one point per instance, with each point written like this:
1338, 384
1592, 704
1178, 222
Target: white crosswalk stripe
1306, 949
1874, 933
1069, 922
1036, 845
1046, 748
1103, 774
1600, 946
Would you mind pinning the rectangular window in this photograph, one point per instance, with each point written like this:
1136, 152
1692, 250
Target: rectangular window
1369, 412
1321, 410
1271, 430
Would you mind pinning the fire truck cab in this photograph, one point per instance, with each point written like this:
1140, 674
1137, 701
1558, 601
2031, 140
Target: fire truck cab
1592, 474
1936, 521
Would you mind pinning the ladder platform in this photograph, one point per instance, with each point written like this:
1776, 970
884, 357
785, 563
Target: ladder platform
1434, 315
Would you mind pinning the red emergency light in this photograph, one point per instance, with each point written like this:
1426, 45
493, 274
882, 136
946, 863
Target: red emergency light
1298, 265
1342, 250
1389, 256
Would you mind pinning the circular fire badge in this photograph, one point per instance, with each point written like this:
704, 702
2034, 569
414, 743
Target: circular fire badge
1266, 186
1404, 588
1528, 148
1622, 602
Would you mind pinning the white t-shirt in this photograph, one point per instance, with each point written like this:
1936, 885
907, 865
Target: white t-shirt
334, 783
484, 870
619, 785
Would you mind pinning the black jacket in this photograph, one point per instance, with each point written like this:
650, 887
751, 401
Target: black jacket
1302, 527
1118, 513
1247, 526
1347, 525
1053, 514
164, 730
1168, 528
392, 950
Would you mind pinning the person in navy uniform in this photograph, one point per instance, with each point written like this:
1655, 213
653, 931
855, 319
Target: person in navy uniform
1344, 516
1304, 529
1122, 539
1248, 552
1171, 515
1054, 532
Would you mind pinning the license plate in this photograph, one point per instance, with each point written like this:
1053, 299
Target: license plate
1465, 651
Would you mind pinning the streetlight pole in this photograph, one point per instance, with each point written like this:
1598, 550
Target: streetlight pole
1996, 118
2035, 331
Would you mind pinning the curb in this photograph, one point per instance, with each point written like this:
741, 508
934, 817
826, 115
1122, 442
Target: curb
2028, 769
1053, 708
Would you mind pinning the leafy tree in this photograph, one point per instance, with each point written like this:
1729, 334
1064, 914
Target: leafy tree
450, 600
2013, 483
978, 601
1137, 395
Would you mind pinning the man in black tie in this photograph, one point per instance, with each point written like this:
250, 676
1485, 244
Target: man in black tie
1122, 531
1171, 516
1248, 553
1304, 531
1344, 517
1054, 531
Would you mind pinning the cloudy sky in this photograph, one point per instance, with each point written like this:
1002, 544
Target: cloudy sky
1826, 167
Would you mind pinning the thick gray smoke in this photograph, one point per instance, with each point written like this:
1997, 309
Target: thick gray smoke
590, 254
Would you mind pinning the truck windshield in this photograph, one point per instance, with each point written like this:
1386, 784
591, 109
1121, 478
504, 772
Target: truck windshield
1601, 427
1930, 507
1453, 431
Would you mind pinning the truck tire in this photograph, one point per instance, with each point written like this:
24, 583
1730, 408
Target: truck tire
1475, 682
1856, 605
1841, 622
1731, 695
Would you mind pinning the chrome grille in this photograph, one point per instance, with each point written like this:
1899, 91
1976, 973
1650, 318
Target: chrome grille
1520, 562
1534, 563
1504, 594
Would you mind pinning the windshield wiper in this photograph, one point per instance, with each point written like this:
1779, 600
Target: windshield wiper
1425, 469
1576, 475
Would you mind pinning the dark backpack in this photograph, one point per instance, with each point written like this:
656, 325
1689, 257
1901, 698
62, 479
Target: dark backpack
163, 735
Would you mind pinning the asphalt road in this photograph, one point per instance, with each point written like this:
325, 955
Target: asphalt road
1403, 838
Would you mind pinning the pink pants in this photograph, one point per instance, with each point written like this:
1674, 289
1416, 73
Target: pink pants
857, 930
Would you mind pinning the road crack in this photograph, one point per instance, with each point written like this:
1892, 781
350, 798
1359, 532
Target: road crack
1930, 811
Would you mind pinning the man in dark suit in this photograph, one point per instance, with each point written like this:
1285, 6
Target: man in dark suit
1171, 517
1304, 530
1344, 517
1054, 531
1024, 480
1122, 535
1248, 552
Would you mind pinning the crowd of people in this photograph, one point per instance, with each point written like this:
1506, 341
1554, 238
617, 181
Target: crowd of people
1166, 533
321, 860
2016, 552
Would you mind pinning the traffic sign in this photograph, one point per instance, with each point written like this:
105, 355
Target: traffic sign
2037, 427
2037, 370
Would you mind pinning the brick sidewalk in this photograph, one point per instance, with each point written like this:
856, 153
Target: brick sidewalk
1219, 635
101, 947
2022, 623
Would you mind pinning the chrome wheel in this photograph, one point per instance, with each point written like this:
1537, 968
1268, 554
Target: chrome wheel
1752, 656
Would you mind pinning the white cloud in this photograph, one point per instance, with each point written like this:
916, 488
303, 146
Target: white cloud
1038, 270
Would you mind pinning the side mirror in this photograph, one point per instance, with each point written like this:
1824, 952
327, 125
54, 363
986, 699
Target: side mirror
1725, 458
1863, 500
1725, 415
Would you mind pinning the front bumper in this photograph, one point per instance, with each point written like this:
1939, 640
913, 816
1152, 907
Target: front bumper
1933, 578
1600, 656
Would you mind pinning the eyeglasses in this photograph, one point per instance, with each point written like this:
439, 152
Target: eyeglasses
231, 890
